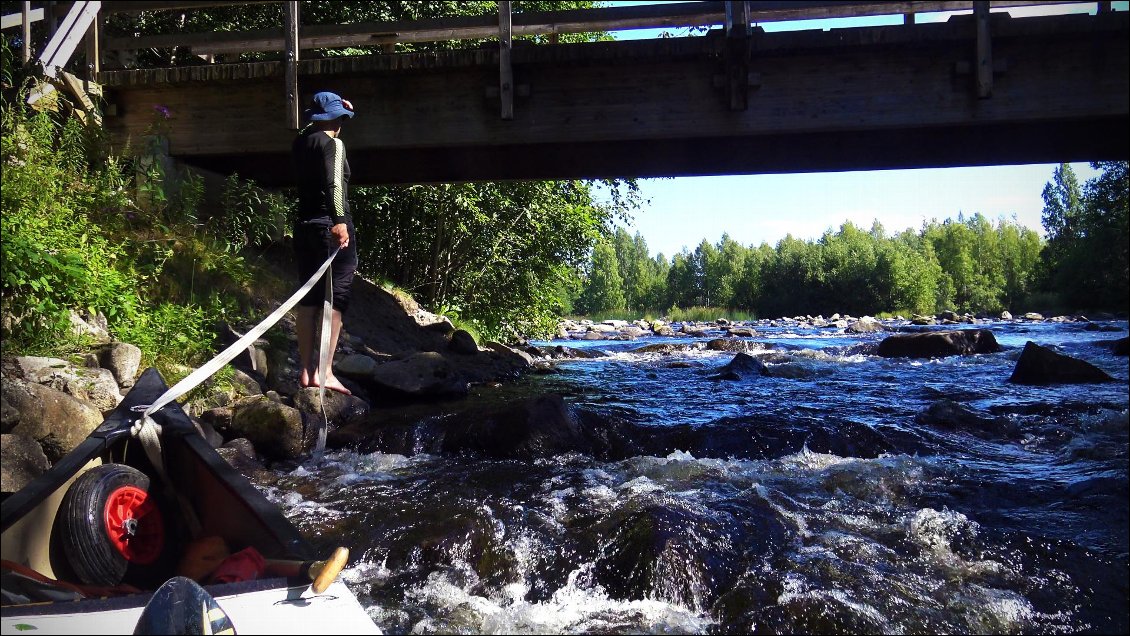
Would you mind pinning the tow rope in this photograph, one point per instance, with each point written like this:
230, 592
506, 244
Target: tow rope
149, 431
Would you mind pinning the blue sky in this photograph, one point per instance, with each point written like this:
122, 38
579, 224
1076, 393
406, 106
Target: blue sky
681, 212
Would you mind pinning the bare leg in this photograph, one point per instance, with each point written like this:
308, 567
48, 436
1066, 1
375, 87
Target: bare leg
306, 326
335, 331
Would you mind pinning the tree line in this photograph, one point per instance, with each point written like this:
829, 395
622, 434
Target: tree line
970, 264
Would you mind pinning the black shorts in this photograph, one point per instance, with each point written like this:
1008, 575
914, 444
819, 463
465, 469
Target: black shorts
313, 243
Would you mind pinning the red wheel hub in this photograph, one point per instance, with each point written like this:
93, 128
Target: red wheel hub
134, 524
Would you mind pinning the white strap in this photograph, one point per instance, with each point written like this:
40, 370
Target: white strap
324, 356
213, 365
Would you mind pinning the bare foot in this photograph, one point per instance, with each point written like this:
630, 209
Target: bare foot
333, 384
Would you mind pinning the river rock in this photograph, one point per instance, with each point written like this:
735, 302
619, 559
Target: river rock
950, 415
665, 349
1119, 346
462, 342
421, 374
733, 345
340, 408
95, 386
1033, 316
509, 352
866, 324
741, 332
1005, 315
122, 359
663, 330
275, 429
21, 460
1040, 365
742, 366
936, 344
56, 420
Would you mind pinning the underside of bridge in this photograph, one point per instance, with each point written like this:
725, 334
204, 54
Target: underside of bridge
906, 96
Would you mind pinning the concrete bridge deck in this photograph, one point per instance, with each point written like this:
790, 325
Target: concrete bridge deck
904, 96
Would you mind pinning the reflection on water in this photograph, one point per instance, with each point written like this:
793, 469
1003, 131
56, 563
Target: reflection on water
813, 500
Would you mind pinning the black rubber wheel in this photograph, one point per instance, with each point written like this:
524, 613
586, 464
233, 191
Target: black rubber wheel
111, 529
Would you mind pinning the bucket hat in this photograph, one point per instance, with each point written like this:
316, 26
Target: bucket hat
326, 106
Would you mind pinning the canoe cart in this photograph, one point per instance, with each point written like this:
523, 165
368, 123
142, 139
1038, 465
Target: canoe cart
115, 530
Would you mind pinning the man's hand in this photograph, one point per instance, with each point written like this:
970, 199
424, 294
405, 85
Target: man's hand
342, 233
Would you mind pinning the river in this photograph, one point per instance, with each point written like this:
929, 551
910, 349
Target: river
819, 499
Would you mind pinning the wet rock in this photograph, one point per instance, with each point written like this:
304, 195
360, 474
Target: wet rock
934, 344
122, 359
665, 348
741, 332
742, 366
1032, 316
1040, 365
355, 365
214, 439
56, 420
1119, 346
276, 430
21, 460
663, 330
462, 342
219, 419
422, 374
340, 408
950, 415
733, 345
1005, 315
866, 324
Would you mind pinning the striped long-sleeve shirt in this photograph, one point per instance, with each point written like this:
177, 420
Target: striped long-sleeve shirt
322, 174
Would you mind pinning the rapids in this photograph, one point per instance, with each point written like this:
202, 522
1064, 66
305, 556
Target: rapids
819, 499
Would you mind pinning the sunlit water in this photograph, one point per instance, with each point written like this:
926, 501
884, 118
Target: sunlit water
809, 502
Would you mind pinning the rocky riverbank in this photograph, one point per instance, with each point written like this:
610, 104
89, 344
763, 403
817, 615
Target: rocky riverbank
406, 366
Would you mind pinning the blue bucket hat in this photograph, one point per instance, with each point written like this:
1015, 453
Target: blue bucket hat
326, 106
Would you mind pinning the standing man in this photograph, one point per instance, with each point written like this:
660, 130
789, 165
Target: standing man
324, 223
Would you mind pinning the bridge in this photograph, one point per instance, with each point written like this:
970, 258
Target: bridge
984, 88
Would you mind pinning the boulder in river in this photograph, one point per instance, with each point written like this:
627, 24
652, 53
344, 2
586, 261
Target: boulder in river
1041, 365
950, 415
742, 366
937, 344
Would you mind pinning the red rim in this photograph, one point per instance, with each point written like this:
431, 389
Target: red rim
134, 525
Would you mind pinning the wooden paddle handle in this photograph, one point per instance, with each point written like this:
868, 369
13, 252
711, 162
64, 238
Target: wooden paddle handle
322, 573
325, 572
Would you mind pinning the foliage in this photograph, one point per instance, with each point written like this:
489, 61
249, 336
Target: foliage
266, 16
1086, 257
499, 255
78, 236
972, 265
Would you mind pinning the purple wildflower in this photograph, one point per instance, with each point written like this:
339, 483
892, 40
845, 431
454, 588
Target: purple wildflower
164, 110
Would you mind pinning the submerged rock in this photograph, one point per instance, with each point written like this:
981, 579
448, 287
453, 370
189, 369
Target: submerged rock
936, 344
1040, 365
950, 415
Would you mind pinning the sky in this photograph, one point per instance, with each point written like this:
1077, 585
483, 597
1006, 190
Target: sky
682, 211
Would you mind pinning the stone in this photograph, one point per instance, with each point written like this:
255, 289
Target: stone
94, 327
355, 365
1033, 316
56, 420
122, 359
340, 408
937, 344
276, 430
426, 373
96, 386
504, 350
462, 342
950, 415
1005, 315
21, 461
866, 324
1041, 365
742, 366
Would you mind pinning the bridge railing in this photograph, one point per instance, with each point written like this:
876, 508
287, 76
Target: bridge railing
292, 37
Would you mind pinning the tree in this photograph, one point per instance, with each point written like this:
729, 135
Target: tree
603, 292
